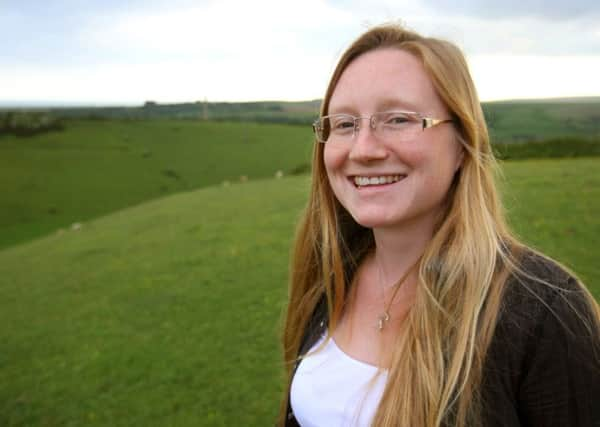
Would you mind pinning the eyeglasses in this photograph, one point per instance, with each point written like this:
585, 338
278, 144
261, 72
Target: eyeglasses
387, 125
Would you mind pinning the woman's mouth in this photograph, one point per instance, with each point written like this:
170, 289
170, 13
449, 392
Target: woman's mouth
369, 181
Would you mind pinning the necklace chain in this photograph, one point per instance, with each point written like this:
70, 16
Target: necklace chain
384, 317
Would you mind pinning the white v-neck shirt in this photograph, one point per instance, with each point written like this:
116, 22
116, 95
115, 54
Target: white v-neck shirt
332, 389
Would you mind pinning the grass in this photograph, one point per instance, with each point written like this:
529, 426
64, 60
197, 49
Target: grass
554, 205
525, 121
548, 149
167, 313
162, 314
96, 167
52, 180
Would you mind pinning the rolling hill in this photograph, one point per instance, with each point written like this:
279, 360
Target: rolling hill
168, 313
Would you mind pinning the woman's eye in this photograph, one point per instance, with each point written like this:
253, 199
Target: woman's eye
397, 119
344, 125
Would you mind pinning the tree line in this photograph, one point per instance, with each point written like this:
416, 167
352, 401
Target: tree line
27, 123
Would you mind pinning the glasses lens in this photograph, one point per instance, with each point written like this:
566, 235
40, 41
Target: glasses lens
396, 125
387, 125
337, 128
321, 129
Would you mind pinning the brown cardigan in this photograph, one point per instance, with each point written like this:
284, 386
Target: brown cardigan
543, 365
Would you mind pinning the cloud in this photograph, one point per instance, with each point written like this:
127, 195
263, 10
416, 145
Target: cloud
225, 50
522, 27
236, 50
527, 76
170, 81
219, 50
522, 36
222, 28
558, 10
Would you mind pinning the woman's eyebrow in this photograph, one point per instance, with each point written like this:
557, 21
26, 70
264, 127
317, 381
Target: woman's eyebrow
397, 104
343, 109
385, 104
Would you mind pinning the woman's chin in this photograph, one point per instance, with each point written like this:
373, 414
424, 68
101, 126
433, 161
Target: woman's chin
373, 221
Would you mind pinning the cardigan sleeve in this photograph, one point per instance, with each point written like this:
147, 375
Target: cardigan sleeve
560, 377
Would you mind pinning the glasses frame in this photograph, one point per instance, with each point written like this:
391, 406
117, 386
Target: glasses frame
426, 122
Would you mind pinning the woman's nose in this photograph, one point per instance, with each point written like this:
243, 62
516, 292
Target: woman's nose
365, 144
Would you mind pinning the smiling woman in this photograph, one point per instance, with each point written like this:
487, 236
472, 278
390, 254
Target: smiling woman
397, 147
411, 303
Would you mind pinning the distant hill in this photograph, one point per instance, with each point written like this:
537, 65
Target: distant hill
571, 99
263, 111
91, 168
535, 120
509, 121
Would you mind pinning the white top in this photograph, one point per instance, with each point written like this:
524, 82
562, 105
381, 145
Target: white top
332, 389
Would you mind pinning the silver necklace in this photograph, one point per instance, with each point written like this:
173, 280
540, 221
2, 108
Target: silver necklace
385, 317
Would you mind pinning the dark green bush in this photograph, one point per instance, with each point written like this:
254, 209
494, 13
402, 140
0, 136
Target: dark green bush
25, 123
550, 148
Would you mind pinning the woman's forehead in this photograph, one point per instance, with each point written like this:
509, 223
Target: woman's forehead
384, 79
389, 103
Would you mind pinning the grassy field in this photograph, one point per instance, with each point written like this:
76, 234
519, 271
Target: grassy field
167, 313
53, 180
525, 121
96, 167
554, 205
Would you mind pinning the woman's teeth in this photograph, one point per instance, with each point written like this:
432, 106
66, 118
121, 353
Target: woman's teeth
362, 181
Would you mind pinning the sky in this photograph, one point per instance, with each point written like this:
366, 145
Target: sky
115, 52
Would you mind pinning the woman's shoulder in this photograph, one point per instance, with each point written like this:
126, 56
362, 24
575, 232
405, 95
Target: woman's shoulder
538, 286
545, 348
534, 267
545, 352
545, 309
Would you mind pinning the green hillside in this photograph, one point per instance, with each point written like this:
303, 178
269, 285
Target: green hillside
162, 314
509, 121
167, 313
535, 120
55, 179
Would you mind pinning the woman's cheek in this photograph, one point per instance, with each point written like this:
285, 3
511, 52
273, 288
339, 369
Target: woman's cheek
333, 156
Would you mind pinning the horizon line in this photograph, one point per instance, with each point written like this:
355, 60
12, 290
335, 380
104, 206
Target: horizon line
8, 104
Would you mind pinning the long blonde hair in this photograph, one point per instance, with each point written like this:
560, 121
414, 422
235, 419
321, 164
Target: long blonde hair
461, 275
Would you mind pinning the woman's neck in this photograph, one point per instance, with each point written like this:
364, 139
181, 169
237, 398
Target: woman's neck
397, 250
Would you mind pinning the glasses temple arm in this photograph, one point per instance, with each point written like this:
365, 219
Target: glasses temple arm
429, 122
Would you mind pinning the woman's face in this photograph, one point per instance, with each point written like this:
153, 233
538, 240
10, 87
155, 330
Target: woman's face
383, 80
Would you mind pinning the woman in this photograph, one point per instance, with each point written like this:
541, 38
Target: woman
411, 303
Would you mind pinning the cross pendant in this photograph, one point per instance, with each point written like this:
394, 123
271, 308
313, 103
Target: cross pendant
381, 320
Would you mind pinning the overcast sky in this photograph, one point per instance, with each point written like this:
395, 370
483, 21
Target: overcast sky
119, 52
